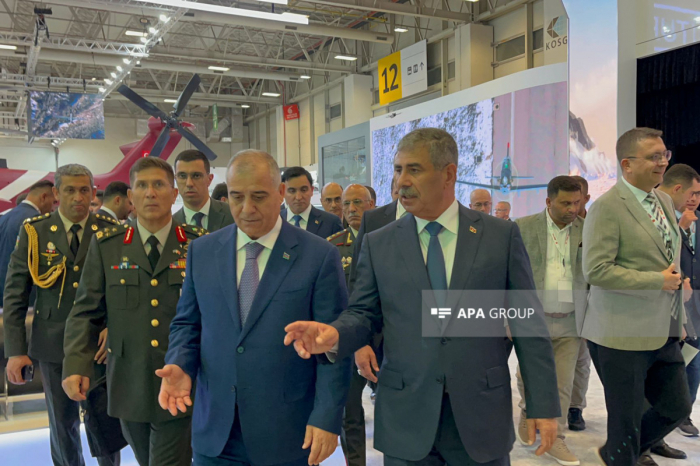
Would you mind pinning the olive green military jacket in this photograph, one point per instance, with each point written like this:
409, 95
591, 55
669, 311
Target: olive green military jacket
138, 303
345, 242
54, 303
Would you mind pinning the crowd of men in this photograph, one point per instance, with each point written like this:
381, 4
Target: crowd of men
293, 310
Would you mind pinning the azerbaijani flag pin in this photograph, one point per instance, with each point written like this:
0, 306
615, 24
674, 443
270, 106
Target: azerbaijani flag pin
285, 256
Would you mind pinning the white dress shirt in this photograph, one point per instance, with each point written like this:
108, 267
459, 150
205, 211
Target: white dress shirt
449, 220
268, 241
557, 265
354, 232
400, 210
161, 235
189, 213
67, 224
304, 217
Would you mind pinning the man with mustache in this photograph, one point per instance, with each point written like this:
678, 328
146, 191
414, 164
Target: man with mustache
356, 199
193, 177
553, 242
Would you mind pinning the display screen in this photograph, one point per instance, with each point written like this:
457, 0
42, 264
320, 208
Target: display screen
66, 115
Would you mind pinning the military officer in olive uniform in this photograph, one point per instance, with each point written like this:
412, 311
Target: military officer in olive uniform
133, 279
57, 245
355, 200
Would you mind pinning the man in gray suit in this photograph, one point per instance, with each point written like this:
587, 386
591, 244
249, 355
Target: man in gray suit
439, 400
631, 251
553, 242
193, 177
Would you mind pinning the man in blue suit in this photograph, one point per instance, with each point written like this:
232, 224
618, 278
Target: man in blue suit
440, 400
298, 191
257, 402
39, 201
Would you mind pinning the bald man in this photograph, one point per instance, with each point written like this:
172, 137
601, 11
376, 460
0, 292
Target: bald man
480, 199
331, 198
356, 200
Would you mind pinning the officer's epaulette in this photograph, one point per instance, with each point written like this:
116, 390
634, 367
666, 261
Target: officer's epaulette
336, 235
116, 231
194, 231
108, 219
37, 218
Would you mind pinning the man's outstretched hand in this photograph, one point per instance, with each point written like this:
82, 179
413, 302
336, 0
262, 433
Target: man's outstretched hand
310, 337
175, 389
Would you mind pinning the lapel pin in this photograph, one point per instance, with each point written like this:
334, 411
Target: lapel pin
94, 227
472, 229
54, 228
316, 222
285, 256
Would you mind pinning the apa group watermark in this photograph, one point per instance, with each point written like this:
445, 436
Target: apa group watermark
480, 313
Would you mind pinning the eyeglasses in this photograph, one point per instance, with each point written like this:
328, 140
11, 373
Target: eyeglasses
656, 158
356, 203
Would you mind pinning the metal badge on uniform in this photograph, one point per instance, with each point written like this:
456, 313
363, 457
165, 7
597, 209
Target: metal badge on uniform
125, 265
472, 229
566, 292
54, 228
181, 263
50, 253
94, 227
285, 256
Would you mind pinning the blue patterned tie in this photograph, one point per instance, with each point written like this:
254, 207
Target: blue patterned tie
249, 280
436, 262
197, 219
296, 219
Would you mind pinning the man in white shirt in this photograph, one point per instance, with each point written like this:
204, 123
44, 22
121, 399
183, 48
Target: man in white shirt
115, 202
193, 177
503, 210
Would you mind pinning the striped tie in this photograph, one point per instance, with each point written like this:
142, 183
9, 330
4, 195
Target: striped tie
659, 219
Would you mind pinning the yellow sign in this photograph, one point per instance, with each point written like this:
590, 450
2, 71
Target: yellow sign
390, 78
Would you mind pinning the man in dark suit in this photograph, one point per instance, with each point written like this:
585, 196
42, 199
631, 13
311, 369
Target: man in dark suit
257, 403
39, 201
115, 201
220, 193
299, 212
59, 244
192, 173
434, 404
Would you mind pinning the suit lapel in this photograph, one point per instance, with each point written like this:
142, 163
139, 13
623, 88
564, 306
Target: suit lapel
390, 211
281, 260
576, 235
228, 276
167, 255
179, 217
135, 251
214, 216
468, 239
314, 223
640, 215
59, 236
542, 237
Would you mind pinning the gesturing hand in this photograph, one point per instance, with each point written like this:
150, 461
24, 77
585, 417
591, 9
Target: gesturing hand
310, 337
175, 389
322, 444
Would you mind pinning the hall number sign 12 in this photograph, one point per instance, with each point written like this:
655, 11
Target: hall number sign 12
390, 78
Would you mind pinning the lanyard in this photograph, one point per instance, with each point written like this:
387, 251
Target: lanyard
566, 243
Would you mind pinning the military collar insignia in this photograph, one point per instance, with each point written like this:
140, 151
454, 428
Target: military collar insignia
54, 228
181, 236
129, 235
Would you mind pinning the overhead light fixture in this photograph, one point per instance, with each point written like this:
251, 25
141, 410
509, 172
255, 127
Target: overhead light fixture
279, 2
8, 47
152, 30
135, 33
473, 1
303, 76
126, 61
345, 57
164, 18
170, 101
140, 54
109, 82
138, 62
119, 68
144, 40
697, 19
102, 89
226, 139
270, 94
284, 17
245, 106
397, 29
113, 74
218, 68
93, 79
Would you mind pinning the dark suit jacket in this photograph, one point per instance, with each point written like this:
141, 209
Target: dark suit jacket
219, 216
321, 223
371, 220
248, 372
691, 269
387, 296
9, 230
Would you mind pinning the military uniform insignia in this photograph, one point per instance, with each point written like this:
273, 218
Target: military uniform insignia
99, 235
177, 251
129, 235
54, 228
124, 265
346, 261
50, 253
181, 263
180, 233
94, 227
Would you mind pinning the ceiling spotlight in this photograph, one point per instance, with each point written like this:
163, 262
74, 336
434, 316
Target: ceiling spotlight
271, 94
108, 82
119, 68
152, 30
303, 76
140, 54
285, 17
218, 68
8, 47
697, 19
666, 29
170, 101
398, 29
473, 1
138, 62
135, 33
144, 40
345, 57
245, 106
102, 89
113, 74
126, 61
93, 79
164, 18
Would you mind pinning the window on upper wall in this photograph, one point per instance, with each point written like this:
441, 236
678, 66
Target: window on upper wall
537, 39
434, 76
335, 111
510, 49
451, 70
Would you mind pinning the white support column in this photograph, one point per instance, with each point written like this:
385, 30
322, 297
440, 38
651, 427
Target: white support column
358, 99
473, 55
